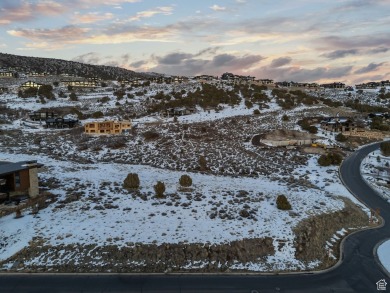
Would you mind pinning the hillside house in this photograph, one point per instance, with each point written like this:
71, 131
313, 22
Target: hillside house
82, 83
29, 84
37, 74
264, 81
42, 115
107, 127
7, 74
385, 83
205, 78
368, 85
227, 76
333, 85
338, 124
61, 123
178, 111
18, 179
284, 83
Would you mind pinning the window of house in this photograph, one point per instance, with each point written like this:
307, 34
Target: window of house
17, 179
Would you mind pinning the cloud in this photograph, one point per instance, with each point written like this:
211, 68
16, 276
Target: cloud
71, 35
380, 40
299, 74
165, 10
207, 51
359, 4
369, 68
216, 7
27, 11
88, 58
91, 17
194, 64
51, 35
378, 50
340, 53
24, 11
138, 64
173, 58
280, 62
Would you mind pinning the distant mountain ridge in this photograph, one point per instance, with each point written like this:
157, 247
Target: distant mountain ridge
58, 66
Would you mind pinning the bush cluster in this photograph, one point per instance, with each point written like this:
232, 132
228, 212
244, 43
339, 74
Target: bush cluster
341, 137
304, 123
331, 158
385, 148
159, 189
185, 181
131, 181
282, 203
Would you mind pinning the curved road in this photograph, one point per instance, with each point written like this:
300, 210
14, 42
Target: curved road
358, 272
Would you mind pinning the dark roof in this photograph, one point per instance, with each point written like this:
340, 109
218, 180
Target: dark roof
12, 167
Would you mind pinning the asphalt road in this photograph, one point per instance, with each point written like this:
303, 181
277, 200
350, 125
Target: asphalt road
358, 272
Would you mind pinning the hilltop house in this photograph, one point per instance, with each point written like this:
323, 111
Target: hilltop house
61, 122
338, 124
107, 127
82, 83
265, 81
19, 178
42, 115
334, 85
178, 111
227, 76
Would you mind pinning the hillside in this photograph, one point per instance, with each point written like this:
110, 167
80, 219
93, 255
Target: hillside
58, 66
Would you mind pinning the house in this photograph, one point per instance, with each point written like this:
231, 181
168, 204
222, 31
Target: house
29, 84
37, 74
227, 76
265, 81
42, 115
205, 78
19, 178
61, 123
7, 74
338, 124
178, 111
284, 84
385, 83
107, 127
82, 83
333, 85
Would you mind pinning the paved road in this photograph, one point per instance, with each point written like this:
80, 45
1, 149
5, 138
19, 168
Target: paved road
358, 272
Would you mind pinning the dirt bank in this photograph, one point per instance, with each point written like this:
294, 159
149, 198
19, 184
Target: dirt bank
140, 257
313, 233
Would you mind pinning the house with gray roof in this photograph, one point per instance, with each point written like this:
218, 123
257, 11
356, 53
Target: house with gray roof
19, 179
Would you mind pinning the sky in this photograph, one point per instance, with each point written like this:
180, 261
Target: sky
301, 40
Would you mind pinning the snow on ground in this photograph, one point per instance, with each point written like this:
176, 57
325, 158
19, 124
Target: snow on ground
384, 254
34, 104
158, 221
375, 169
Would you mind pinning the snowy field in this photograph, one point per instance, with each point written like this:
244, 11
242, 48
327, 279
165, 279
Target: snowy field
375, 169
218, 209
179, 218
384, 254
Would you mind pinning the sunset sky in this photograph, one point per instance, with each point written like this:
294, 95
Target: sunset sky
301, 40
